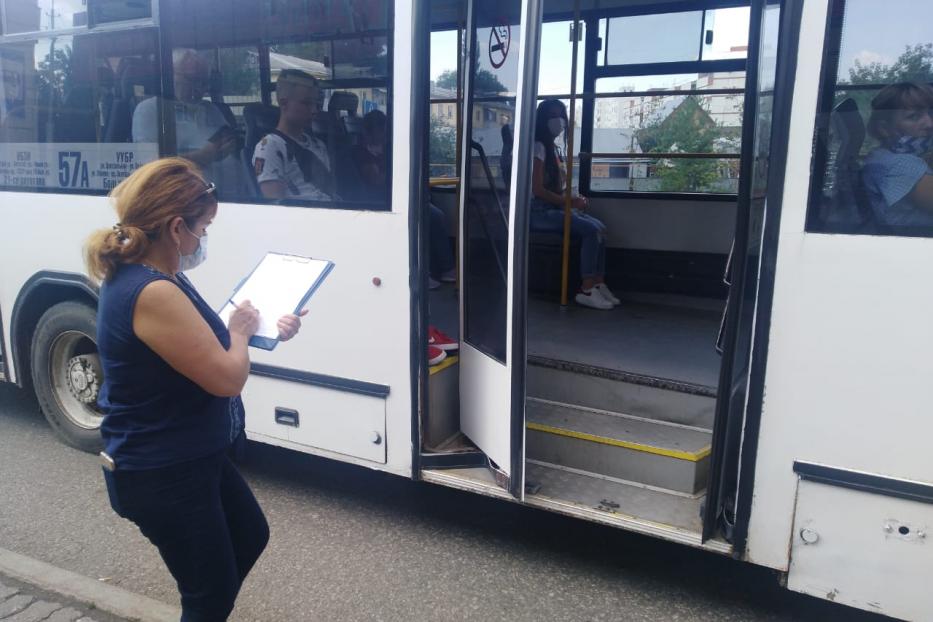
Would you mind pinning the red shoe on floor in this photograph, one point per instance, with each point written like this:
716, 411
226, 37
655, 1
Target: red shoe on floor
435, 355
441, 341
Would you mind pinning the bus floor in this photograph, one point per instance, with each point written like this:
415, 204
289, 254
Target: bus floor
619, 408
657, 336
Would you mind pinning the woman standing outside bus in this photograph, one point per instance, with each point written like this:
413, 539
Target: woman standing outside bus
173, 373
548, 181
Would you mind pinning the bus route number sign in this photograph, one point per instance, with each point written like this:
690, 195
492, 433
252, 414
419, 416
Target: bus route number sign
500, 37
72, 170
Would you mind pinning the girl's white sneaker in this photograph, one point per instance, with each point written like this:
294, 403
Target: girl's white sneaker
604, 291
593, 299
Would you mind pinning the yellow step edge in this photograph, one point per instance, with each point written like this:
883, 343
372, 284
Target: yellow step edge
450, 361
690, 456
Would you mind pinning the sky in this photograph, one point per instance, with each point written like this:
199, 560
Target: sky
878, 31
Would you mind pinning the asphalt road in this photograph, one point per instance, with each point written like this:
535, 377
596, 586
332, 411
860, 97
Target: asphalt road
352, 544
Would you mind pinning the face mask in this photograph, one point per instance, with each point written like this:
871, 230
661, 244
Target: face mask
556, 126
195, 259
376, 150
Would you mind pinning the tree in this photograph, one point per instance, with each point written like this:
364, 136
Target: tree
240, 68
485, 82
442, 148
54, 73
915, 64
688, 128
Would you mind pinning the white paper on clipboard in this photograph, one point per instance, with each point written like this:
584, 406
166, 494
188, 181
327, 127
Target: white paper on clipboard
278, 285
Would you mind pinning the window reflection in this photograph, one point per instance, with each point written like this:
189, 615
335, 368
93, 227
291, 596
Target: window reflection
874, 141
67, 107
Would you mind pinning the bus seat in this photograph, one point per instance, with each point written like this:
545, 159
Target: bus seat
216, 94
344, 101
77, 120
353, 126
342, 111
505, 159
135, 82
848, 202
260, 119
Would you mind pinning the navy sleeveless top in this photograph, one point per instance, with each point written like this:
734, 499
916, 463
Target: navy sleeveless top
153, 415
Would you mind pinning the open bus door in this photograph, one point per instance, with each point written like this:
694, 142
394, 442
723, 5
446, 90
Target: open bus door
501, 61
761, 121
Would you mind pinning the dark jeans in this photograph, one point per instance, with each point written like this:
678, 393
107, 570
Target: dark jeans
205, 522
591, 230
441, 258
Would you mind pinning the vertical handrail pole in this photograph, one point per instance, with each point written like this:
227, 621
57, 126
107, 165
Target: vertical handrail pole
568, 190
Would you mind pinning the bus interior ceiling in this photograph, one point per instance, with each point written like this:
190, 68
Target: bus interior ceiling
620, 404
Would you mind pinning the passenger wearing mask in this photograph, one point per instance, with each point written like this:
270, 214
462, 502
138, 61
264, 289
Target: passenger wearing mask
548, 184
173, 373
897, 175
289, 163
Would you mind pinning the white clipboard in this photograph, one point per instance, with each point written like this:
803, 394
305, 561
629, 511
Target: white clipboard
280, 284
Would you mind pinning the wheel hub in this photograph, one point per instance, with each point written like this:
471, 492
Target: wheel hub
83, 378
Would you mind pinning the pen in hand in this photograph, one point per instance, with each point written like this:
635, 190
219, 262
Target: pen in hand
244, 318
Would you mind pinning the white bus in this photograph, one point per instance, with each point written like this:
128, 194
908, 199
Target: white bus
779, 415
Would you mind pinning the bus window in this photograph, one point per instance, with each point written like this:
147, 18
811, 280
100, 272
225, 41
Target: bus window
638, 116
44, 15
66, 109
675, 133
110, 11
271, 100
444, 93
874, 137
554, 75
635, 40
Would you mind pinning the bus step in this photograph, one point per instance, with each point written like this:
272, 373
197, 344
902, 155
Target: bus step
595, 492
619, 391
634, 449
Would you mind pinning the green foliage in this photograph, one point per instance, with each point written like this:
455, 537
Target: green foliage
485, 83
442, 147
915, 64
240, 69
687, 129
55, 73
447, 79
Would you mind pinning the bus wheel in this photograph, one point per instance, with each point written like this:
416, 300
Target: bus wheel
67, 373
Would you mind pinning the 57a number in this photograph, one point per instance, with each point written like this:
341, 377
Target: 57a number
72, 170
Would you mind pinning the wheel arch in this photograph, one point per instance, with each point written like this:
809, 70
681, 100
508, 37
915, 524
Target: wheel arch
42, 291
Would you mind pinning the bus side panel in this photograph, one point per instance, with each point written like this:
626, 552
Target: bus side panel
848, 370
862, 549
41, 232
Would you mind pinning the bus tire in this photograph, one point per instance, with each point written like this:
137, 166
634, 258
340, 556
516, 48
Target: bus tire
67, 373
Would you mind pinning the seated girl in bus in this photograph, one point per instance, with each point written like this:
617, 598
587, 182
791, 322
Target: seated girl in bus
897, 175
547, 206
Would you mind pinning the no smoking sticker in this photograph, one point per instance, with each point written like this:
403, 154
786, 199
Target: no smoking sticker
500, 37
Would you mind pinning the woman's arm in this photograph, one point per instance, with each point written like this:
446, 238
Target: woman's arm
537, 187
166, 321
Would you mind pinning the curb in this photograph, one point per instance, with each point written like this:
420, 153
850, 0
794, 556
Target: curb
109, 598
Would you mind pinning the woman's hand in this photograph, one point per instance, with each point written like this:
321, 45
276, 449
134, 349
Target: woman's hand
289, 325
579, 203
244, 319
